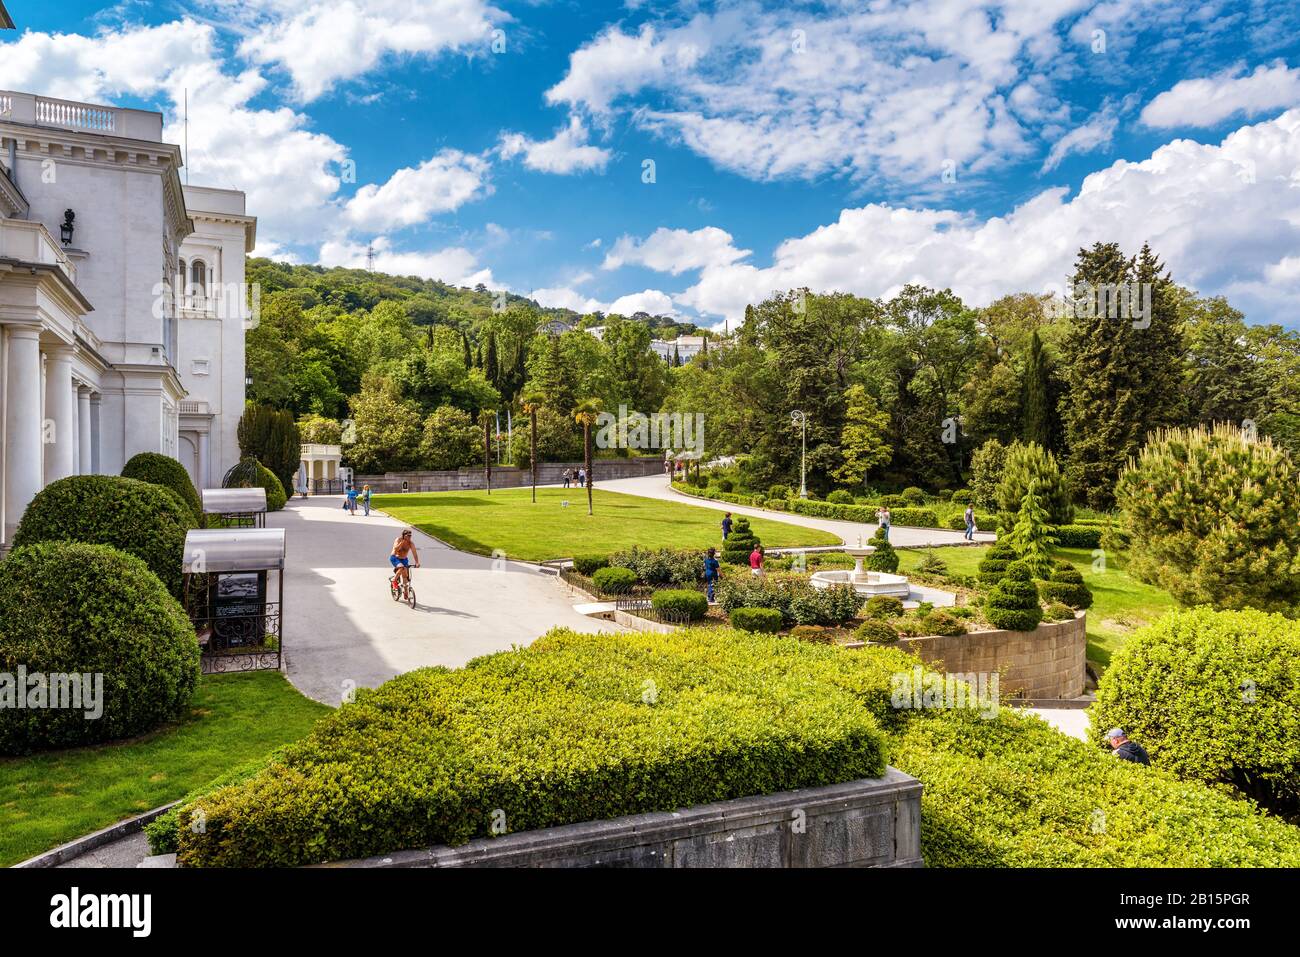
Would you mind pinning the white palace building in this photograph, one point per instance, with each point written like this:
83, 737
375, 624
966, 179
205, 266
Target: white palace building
122, 300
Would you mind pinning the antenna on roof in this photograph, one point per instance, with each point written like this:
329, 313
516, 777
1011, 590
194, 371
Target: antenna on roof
370, 257
186, 160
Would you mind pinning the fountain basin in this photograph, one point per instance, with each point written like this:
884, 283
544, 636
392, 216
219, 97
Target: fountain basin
866, 583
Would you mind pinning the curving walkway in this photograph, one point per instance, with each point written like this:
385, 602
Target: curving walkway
656, 486
342, 630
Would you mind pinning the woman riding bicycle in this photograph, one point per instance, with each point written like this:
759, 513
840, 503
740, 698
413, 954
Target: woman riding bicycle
403, 551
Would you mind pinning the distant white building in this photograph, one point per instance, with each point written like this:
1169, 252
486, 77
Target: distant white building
121, 325
687, 347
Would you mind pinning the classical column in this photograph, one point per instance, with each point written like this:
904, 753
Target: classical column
84, 456
94, 432
23, 457
204, 480
60, 412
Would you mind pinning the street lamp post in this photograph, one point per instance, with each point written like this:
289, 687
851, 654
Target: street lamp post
800, 419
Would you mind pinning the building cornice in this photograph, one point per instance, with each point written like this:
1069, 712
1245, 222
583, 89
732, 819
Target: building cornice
12, 201
73, 298
249, 224
90, 148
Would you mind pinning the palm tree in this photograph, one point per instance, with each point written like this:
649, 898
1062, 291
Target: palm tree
530, 403
584, 413
486, 415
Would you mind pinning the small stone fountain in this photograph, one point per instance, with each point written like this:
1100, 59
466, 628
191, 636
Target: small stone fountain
866, 583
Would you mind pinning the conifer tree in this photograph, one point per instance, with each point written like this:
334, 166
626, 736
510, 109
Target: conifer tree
1033, 536
1037, 396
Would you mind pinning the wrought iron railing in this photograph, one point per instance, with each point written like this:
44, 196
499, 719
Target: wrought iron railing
234, 639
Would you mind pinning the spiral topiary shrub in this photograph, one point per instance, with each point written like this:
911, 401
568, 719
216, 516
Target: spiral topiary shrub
1214, 696
877, 631
1058, 611
589, 564
1066, 585
884, 558
739, 544
762, 620
614, 581
993, 566
69, 608
1013, 603
139, 518
158, 469
680, 603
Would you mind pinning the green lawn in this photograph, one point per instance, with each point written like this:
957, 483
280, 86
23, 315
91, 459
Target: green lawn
1120, 604
475, 521
49, 799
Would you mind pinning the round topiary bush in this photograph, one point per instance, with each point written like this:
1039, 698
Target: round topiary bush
840, 497
913, 495
939, 622
614, 581
1213, 696
250, 473
993, 566
68, 608
779, 491
884, 558
589, 564
1013, 603
1058, 611
882, 606
1066, 585
725, 485
877, 631
139, 518
158, 469
680, 603
756, 619
817, 634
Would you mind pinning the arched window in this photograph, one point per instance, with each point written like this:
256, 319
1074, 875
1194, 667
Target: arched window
199, 279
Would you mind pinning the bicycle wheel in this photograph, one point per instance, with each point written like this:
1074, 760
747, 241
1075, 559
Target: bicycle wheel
395, 588
410, 596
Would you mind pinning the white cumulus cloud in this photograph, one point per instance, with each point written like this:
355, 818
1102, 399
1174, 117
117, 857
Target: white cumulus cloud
1210, 100
441, 184
566, 152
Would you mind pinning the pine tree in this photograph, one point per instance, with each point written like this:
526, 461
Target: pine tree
1037, 396
491, 371
1033, 536
1023, 467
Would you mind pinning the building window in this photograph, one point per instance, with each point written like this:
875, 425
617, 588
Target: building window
199, 279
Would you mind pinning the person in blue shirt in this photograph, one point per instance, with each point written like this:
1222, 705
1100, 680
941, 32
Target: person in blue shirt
711, 569
726, 525
352, 499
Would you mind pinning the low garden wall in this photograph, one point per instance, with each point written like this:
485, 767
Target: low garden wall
508, 476
867, 823
1047, 663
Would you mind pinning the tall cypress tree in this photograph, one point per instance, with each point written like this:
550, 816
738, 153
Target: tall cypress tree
490, 368
469, 359
1121, 370
1037, 408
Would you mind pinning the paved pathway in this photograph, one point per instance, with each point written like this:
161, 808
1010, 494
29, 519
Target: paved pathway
341, 626
656, 486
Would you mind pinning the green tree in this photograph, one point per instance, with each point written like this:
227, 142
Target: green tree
862, 441
450, 439
386, 427
317, 429
1033, 536
532, 404
585, 414
1025, 465
1039, 412
271, 436
986, 467
1215, 518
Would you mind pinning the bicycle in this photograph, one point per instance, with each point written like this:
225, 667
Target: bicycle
396, 589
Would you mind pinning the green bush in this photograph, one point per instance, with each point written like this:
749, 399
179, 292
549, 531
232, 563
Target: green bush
1215, 519
931, 564
882, 606
993, 566
614, 581
962, 496
139, 518
1079, 536
589, 564
939, 622
778, 504
764, 620
1214, 697
71, 608
779, 491
250, 473
162, 832
661, 566
986, 467
1013, 603
164, 470
877, 631
913, 495
1066, 585
797, 600
725, 485
916, 517
680, 602
984, 521
739, 544
1058, 611
1027, 463
884, 558
436, 756
840, 497
961, 611
814, 633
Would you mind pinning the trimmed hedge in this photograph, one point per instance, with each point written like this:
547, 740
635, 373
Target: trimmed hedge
159, 469
576, 727
993, 566
674, 602
984, 521
765, 620
1214, 697
1066, 585
661, 566
919, 517
614, 581
876, 630
72, 608
798, 601
1013, 603
589, 564
882, 606
739, 544
139, 518
1079, 536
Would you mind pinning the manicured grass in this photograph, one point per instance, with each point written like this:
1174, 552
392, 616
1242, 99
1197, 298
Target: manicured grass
1120, 604
49, 799
509, 520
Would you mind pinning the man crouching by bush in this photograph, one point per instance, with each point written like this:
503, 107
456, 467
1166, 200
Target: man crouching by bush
1125, 749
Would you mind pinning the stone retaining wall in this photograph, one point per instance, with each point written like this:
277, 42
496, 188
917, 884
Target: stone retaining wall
507, 476
868, 823
1047, 663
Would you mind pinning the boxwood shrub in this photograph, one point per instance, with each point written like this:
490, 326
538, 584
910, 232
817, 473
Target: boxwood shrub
1214, 696
993, 566
71, 608
798, 601
840, 496
876, 630
560, 732
674, 602
882, 606
661, 566
1013, 602
589, 564
764, 620
1079, 536
614, 581
884, 558
164, 470
139, 518
1066, 585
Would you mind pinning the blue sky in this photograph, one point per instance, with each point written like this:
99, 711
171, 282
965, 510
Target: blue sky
853, 146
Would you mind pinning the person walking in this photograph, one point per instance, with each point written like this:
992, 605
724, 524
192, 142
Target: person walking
970, 523
566, 478
1125, 749
365, 499
711, 570
352, 499
668, 469
582, 477
726, 525
884, 521
756, 561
